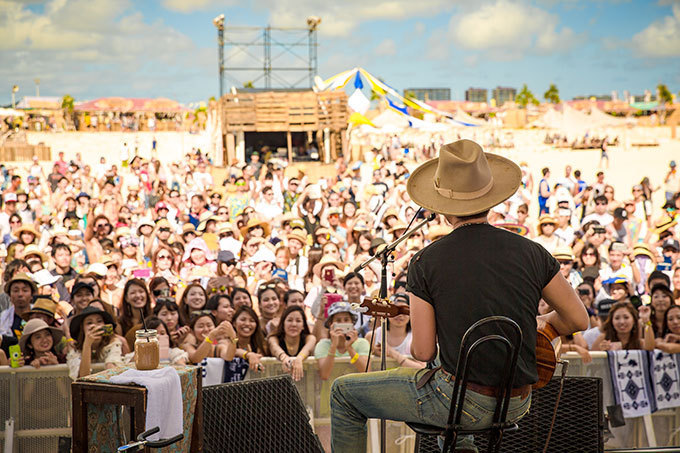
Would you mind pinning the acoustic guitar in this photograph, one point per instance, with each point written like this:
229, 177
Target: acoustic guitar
547, 338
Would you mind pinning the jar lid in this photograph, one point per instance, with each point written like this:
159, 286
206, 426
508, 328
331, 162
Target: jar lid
146, 333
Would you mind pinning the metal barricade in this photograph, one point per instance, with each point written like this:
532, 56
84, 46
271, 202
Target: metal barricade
39, 401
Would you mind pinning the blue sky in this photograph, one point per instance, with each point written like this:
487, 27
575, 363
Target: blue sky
167, 48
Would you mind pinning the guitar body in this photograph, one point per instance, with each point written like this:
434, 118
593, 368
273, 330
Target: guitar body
546, 359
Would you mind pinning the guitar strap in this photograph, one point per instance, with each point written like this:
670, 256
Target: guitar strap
565, 366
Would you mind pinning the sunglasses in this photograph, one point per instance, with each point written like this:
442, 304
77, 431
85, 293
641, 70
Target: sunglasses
221, 288
163, 257
102, 225
200, 313
164, 230
240, 183
267, 286
216, 196
161, 292
565, 263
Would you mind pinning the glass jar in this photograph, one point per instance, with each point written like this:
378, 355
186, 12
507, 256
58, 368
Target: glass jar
147, 350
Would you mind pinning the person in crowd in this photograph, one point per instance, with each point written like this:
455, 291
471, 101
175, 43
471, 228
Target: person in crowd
270, 307
661, 301
344, 341
221, 307
197, 254
669, 341
135, 306
208, 340
546, 233
292, 342
39, 344
565, 256
241, 296
622, 329
91, 344
250, 345
193, 299
21, 290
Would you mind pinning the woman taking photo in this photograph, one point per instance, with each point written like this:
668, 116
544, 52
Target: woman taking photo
292, 342
208, 340
38, 344
344, 341
93, 343
250, 346
621, 330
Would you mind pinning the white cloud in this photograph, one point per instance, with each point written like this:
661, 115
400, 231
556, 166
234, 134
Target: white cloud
386, 48
419, 28
661, 39
76, 45
507, 30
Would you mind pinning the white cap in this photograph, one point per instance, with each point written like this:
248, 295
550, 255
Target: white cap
97, 268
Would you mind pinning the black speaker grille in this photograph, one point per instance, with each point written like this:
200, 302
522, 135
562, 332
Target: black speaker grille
578, 427
261, 415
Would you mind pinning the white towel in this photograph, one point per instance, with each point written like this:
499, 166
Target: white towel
213, 371
666, 378
633, 388
164, 399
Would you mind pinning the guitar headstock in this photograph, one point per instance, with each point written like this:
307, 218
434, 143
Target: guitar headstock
383, 308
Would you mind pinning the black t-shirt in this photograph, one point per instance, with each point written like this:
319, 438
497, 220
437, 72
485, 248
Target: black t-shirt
478, 271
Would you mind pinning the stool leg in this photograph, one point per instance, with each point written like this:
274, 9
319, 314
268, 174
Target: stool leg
416, 446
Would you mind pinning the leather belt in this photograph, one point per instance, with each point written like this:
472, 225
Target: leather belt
486, 390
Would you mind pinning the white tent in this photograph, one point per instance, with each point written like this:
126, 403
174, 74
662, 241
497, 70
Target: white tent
601, 119
10, 112
464, 118
391, 118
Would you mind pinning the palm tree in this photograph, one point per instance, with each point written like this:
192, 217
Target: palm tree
552, 95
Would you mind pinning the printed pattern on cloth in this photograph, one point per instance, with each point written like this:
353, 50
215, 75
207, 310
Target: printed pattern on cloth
633, 388
665, 370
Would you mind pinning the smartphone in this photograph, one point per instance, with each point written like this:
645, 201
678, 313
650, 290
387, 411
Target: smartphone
584, 291
107, 330
14, 355
329, 274
164, 347
331, 298
599, 229
619, 247
615, 346
345, 327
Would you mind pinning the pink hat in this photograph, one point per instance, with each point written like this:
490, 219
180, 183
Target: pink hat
197, 243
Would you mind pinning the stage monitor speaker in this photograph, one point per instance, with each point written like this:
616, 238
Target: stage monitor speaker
579, 425
260, 415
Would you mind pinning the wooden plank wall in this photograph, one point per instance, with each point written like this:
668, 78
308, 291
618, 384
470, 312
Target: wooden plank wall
284, 111
22, 152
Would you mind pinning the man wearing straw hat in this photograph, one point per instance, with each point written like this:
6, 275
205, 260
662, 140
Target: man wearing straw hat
475, 271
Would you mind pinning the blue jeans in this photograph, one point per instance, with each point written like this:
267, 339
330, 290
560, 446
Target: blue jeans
392, 395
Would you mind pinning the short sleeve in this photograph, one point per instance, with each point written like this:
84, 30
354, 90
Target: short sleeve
361, 346
550, 265
415, 279
321, 349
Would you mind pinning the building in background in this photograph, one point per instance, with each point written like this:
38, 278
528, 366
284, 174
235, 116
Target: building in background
476, 94
503, 95
429, 94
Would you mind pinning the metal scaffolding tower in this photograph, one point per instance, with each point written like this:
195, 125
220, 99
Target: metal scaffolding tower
283, 68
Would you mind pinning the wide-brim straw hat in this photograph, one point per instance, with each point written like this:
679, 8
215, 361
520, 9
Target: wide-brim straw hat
298, 234
463, 180
325, 261
545, 219
664, 224
21, 277
397, 226
643, 249
254, 222
206, 217
77, 321
43, 305
27, 229
563, 252
33, 249
437, 231
36, 325
514, 228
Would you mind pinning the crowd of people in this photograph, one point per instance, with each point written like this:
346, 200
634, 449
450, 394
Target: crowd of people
261, 262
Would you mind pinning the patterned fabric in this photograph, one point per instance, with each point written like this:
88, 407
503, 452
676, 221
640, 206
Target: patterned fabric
633, 388
105, 427
665, 369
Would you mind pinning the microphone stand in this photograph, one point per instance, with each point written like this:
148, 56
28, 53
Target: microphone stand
384, 254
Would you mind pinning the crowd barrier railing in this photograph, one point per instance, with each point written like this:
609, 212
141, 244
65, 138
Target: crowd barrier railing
39, 401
